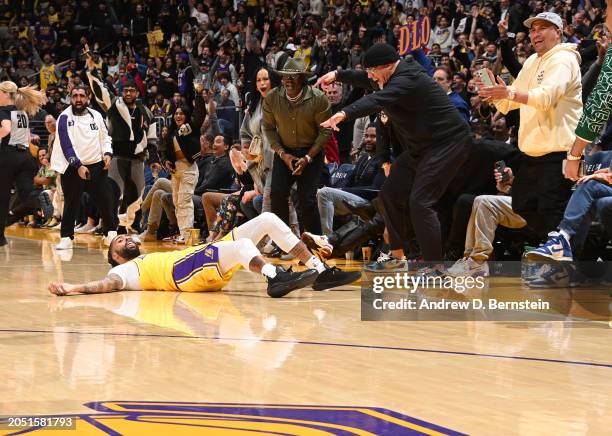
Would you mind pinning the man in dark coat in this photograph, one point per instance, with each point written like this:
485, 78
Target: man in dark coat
433, 138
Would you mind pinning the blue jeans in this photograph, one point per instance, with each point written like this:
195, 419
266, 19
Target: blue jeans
258, 203
331, 201
604, 211
583, 202
249, 208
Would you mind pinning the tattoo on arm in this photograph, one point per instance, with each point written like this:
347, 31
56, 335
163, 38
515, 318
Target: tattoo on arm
110, 283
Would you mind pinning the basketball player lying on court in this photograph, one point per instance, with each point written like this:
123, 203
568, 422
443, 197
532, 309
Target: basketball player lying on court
210, 267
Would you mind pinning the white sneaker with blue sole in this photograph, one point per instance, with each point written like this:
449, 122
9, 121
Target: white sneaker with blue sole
556, 248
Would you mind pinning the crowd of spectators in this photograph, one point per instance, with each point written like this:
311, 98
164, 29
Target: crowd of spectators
165, 46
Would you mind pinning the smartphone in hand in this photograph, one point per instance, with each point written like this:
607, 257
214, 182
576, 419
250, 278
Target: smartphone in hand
484, 77
500, 166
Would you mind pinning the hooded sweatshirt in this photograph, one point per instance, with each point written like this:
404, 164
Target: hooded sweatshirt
553, 109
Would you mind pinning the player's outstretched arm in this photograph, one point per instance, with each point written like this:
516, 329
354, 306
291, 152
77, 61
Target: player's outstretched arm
110, 283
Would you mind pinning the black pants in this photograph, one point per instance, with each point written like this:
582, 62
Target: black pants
455, 244
540, 192
17, 167
99, 189
307, 184
26, 206
413, 188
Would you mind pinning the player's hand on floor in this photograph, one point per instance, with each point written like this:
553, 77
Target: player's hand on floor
60, 288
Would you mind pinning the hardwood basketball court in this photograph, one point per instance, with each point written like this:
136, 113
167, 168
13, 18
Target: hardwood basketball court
239, 362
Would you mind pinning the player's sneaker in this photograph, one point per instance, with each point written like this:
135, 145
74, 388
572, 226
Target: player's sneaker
333, 277
387, 263
287, 281
318, 243
64, 244
556, 248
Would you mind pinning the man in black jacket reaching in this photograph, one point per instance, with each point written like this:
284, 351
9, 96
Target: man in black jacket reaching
432, 139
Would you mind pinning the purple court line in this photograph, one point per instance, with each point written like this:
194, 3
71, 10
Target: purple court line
329, 344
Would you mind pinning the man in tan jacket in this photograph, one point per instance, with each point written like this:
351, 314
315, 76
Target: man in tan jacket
547, 92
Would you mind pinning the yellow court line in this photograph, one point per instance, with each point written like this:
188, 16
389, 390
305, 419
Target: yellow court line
370, 412
151, 413
398, 421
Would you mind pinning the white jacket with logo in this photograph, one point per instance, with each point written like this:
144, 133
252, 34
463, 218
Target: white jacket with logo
79, 140
549, 118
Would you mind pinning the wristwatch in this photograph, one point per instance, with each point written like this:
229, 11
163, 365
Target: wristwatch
308, 158
570, 156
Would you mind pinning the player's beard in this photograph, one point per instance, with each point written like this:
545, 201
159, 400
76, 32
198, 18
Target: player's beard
129, 253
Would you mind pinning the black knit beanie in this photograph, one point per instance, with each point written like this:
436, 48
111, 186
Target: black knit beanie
379, 54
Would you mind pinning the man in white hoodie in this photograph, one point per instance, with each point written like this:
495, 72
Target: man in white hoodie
82, 154
547, 91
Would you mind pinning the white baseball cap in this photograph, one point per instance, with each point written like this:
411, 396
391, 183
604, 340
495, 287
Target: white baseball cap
551, 17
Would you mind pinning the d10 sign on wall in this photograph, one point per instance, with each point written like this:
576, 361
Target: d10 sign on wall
414, 35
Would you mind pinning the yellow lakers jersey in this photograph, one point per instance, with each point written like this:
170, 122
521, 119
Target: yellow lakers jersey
195, 269
47, 76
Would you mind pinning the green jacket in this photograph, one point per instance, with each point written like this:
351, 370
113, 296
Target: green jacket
598, 107
288, 125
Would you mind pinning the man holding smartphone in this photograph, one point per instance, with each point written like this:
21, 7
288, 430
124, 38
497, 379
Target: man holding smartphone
292, 114
548, 93
594, 191
82, 154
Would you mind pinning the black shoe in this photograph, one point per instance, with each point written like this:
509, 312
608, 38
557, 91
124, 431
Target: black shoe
287, 281
366, 212
11, 219
3, 241
333, 277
